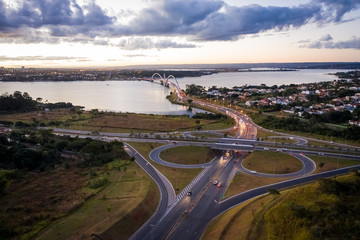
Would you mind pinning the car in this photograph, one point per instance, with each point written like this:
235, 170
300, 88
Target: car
174, 142
189, 193
253, 171
266, 148
215, 182
219, 185
321, 154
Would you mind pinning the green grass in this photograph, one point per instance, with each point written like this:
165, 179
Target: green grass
331, 163
205, 135
244, 221
178, 177
244, 182
126, 190
188, 155
264, 134
322, 210
272, 162
282, 140
319, 210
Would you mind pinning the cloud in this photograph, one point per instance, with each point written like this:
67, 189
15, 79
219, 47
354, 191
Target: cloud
326, 38
41, 58
134, 55
53, 21
338, 8
148, 43
327, 42
215, 20
39, 13
237, 21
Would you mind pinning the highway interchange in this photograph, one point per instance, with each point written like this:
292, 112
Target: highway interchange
186, 216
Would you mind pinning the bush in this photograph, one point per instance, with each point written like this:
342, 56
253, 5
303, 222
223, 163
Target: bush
98, 182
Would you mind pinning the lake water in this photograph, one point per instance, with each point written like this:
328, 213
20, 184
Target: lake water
147, 97
232, 79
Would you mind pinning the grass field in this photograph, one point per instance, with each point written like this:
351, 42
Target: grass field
179, 177
244, 221
263, 134
127, 190
331, 163
244, 182
188, 155
205, 135
116, 122
282, 140
32, 200
72, 202
272, 162
310, 211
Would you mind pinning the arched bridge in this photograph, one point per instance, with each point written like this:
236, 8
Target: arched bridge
169, 81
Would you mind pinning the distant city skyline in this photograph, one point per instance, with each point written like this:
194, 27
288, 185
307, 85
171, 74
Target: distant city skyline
98, 33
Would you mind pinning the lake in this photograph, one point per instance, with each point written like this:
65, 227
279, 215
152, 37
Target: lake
147, 97
232, 79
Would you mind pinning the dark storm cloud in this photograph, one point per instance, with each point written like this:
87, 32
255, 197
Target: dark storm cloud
215, 20
236, 21
205, 20
327, 42
39, 13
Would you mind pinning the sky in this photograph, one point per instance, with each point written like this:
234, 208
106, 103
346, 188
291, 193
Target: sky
106, 33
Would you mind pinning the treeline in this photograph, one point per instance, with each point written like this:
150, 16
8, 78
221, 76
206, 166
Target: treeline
209, 116
38, 150
23, 102
311, 126
334, 117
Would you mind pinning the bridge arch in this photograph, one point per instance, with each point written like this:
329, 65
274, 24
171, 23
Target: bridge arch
169, 80
156, 74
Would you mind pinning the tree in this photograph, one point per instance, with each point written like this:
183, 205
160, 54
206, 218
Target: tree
273, 191
190, 101
321, 164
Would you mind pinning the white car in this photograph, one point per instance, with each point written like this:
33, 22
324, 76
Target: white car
266, 148
253, 171
215, 182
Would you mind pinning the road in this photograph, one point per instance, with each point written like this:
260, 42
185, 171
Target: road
186, 217
167, 193
190, 216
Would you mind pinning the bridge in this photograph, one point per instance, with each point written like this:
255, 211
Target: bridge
169, 81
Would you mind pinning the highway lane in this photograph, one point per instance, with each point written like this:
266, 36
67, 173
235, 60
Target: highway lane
189, 229
239, 198
195, 228
179, 211
166, 192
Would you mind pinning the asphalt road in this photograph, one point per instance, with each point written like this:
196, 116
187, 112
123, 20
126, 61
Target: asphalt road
186, 217
166, 192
